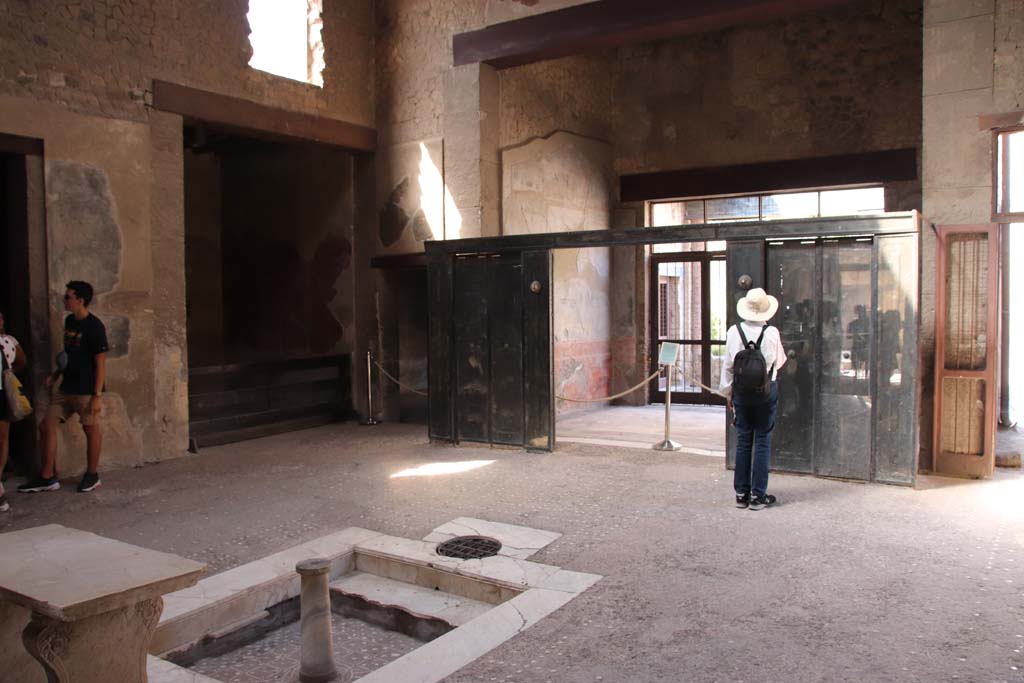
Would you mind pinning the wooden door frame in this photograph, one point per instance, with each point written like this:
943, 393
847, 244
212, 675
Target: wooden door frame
954, 463
704, 258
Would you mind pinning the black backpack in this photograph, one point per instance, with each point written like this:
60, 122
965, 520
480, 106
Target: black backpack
749, 369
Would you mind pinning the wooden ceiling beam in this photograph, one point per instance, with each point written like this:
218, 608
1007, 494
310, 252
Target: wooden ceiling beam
865, 168
614, 23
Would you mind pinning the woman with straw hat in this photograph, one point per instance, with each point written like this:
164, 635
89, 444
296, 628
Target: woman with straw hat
753, 356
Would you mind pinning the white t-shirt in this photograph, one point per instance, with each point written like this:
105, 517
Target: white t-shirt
9, 347
771, 349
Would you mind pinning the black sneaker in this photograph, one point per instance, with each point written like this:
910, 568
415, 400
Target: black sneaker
764, 501
742, 500
90, 481
40, 484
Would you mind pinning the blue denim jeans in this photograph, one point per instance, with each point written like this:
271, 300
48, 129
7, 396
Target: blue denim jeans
754, 425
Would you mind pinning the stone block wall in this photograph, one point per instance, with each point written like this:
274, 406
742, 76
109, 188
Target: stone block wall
100, 57
77, 76
114, 219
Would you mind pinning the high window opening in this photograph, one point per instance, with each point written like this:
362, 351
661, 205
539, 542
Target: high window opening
1010, 175
761, 207
286, 38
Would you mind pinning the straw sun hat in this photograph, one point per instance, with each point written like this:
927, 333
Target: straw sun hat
757, 306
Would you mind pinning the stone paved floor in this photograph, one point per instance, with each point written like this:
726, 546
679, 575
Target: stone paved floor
359, 648
696, 427
840, 582
1010, 440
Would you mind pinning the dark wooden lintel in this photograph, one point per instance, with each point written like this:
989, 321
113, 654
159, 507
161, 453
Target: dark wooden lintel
614, 23
260, 120
889, 223
15, 144
772, 176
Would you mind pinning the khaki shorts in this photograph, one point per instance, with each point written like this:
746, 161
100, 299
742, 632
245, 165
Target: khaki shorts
64, 406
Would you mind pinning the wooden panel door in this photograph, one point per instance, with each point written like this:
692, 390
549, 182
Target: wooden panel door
966, 335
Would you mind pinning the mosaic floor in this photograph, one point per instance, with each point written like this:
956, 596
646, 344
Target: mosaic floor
358, 648
700, 428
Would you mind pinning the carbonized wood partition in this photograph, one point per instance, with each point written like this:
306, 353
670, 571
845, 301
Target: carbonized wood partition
490, 351
967, 325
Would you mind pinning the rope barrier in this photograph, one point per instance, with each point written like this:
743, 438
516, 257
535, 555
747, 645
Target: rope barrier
565, 398
632, 389
609, 398
404, 386
701, 385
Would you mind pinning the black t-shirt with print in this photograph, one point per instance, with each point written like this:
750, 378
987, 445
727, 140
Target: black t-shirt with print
83, 339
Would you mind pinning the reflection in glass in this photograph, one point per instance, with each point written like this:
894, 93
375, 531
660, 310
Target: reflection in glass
677, 213
732, 209
895, 426
679, 300
790, 205
852, 202
676, 247
791, 278
845, 317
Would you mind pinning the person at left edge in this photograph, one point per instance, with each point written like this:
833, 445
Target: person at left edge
80, 391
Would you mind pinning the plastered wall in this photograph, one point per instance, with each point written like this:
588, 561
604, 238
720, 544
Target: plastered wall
563, 183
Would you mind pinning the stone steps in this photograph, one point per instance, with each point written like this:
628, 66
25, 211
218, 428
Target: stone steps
429, 603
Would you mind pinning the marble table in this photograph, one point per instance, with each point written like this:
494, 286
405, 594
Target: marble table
94, 601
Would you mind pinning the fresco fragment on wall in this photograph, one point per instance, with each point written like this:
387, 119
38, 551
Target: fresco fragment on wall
560, 183
410, 195
85, 240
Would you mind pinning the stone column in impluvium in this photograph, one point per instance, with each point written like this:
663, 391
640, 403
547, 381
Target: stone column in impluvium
317, 658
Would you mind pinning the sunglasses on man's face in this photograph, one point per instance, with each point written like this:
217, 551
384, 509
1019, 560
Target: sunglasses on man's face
68, 297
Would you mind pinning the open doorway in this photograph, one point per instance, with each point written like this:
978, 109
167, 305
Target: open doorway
23, 290
1009, 209
14, 294
404, 334
604, 345
1010, 436
268, 247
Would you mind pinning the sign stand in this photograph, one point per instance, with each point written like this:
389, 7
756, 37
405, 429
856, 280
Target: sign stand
668, 355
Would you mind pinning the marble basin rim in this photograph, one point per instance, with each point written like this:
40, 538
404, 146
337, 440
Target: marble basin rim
519, 591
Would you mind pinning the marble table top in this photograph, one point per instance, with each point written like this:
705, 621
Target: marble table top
67, 574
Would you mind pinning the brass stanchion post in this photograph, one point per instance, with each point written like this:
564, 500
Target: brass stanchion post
667, 444
370, 421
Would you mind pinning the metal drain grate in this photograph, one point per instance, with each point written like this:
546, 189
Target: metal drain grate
469, 547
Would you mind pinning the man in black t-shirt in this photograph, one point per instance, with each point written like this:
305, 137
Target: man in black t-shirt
83, 367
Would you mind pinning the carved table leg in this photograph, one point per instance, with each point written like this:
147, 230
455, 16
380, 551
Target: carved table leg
106, 647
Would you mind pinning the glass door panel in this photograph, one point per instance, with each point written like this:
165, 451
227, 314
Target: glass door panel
792, 278
679, 301
688, 308
844, 378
